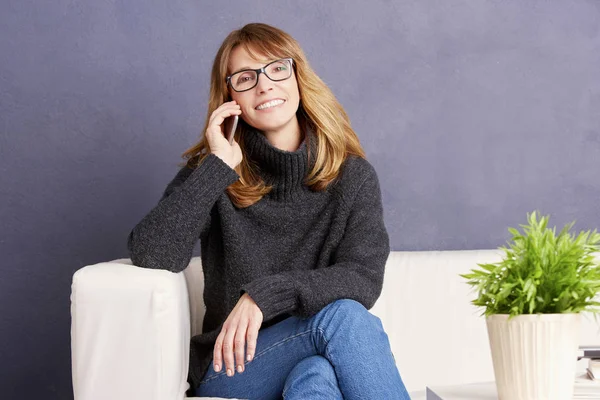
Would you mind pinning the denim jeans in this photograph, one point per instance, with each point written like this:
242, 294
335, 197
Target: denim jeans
342, 352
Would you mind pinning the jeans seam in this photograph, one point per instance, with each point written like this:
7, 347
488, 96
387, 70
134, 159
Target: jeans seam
223, 372
326, 344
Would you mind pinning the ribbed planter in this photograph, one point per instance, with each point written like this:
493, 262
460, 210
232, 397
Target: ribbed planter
534, 356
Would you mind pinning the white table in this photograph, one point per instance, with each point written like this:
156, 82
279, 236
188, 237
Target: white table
584, 389
473, 391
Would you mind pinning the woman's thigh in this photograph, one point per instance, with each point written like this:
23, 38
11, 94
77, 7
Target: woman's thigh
279, 348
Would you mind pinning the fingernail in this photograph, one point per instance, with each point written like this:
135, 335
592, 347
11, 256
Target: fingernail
229, 372
217, 368
240, 369
248, 358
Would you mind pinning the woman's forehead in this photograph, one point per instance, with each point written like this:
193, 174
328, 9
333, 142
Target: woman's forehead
240, 58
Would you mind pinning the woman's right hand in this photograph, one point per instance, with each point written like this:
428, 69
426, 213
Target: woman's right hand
231, 154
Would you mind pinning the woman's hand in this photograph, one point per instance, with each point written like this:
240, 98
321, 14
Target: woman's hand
241, 327
231, 154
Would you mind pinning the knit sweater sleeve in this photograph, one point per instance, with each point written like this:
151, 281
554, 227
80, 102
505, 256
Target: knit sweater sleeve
356, 272
166, 236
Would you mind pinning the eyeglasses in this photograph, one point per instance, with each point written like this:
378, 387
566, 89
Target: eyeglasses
278, 70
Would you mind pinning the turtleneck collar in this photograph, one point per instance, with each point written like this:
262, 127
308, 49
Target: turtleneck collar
284, 170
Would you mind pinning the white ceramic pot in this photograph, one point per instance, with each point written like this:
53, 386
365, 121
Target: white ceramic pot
534, 356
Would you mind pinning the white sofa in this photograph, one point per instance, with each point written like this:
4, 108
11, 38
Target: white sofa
131, 326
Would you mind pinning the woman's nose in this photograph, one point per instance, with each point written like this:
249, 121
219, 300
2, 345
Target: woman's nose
264, 83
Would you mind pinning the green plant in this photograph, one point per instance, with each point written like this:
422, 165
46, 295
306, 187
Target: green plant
541, 273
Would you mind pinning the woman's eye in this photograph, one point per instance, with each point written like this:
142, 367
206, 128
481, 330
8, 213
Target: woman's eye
244, 78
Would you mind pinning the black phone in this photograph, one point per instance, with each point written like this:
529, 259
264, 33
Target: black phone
230, 125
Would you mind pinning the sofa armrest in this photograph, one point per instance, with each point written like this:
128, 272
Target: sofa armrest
130, 333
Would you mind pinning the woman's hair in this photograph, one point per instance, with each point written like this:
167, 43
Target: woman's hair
319, 110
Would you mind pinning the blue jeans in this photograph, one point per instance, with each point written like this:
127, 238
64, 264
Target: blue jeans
342, 352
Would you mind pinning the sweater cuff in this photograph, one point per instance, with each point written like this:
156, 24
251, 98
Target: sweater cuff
211, 169
274, 295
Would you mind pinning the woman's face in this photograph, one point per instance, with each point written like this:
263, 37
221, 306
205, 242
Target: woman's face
278, 118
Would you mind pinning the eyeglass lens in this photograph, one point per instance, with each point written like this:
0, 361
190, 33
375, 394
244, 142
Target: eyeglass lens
275, 71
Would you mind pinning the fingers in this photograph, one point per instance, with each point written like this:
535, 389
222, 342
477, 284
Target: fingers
215, 129
223, 111
230, 346
223, 355
218, 351
228, 352
239, 345
240, 331
251, 337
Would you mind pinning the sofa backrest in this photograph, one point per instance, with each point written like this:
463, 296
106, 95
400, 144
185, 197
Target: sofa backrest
437, 336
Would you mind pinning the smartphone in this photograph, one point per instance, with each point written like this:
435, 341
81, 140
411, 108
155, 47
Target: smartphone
230, 125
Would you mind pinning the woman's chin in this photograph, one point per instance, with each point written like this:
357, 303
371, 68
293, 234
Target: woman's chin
271, 123
269, 127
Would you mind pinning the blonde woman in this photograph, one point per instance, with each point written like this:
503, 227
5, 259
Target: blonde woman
293, 241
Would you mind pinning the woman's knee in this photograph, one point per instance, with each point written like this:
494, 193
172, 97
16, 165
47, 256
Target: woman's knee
351, 311
350, 305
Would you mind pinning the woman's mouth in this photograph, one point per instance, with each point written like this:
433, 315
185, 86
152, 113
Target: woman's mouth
270, 104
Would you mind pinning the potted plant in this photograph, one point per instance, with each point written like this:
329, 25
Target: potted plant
532, 300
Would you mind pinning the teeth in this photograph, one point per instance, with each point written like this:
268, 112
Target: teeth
272, 103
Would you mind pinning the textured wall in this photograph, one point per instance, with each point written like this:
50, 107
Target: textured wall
473, 113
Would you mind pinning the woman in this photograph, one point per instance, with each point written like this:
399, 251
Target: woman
293, 241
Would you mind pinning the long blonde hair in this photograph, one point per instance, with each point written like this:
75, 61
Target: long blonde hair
318, 109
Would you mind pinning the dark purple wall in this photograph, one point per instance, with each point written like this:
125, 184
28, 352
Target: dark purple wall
473, 113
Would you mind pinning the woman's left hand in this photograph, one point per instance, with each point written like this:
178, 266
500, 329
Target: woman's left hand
240, 328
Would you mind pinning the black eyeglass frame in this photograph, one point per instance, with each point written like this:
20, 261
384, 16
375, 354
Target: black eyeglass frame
258, 71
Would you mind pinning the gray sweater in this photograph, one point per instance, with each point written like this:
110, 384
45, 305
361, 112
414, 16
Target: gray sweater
293, 252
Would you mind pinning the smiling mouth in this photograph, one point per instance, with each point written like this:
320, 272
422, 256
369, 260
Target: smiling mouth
270, 104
